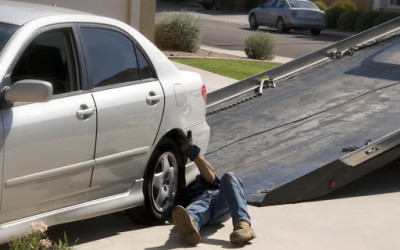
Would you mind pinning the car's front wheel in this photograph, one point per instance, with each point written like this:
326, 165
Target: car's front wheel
161, 183
253, 22
280, 25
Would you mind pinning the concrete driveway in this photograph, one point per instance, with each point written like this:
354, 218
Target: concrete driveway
363, 215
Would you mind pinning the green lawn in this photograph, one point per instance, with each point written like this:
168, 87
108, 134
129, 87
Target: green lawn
233, 68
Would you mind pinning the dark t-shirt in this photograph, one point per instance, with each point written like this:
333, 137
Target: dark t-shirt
195, 189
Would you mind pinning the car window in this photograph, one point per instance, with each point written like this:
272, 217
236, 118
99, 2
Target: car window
110, 57
280, 4
146, 70
49, 57
270, 3
303, 4
6, 31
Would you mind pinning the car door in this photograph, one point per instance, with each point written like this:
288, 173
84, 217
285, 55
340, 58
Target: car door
264, 17
129, 102
48, 147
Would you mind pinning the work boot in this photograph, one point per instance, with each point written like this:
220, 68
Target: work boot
185, 225
242, 232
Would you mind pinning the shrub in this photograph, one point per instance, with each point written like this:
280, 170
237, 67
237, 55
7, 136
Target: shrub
347, 20
321, 5
343, 4
250, 4
260, 45
366, 20
227, 5
385, 16
178, 31
332, 16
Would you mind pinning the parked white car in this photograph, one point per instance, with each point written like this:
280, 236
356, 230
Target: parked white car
91, 112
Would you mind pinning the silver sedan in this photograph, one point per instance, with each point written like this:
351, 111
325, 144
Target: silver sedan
91, 116
288, 14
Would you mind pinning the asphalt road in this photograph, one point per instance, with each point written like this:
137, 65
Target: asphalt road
229, 35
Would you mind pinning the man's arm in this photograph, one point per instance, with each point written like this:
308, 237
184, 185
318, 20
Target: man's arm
205, 168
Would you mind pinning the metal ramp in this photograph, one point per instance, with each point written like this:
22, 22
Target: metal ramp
321, 121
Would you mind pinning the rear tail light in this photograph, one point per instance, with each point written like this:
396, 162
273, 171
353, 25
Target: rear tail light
204, 93
294, 13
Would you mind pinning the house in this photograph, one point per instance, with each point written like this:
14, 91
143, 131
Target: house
138, 13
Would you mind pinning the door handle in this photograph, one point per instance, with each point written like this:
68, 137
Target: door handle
85, 112
153, 99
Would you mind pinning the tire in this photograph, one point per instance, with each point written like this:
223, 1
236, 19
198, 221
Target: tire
253, 22
315, 32
280, 25
161, 185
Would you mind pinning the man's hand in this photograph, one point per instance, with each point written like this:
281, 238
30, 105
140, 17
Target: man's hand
187, 146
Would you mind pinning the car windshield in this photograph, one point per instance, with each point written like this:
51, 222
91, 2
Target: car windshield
6, 31
303, 4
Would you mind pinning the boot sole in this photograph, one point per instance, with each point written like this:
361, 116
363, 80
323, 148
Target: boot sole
185, 225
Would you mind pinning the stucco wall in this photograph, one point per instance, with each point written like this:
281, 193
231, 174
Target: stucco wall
138, 13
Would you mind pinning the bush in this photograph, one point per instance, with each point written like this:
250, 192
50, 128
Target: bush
250, 4
178, 31
366, 20
385, 16
260, 45
321, 5
343, 4
347, 20
332, 16
227, 5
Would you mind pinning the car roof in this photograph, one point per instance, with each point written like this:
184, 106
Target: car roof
19, 13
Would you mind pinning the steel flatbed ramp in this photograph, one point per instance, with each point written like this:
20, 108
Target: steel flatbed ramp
324, 125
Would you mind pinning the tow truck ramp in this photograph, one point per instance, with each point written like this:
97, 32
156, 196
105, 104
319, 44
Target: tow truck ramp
308, 127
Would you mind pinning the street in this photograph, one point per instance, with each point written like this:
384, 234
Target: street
229, 30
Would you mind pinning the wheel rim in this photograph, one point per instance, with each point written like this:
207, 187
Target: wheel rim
165, 182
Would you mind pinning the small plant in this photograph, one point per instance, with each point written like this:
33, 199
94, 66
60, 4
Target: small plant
178, 31
321, 5
347, 20
37, 239
260, 45
366, 20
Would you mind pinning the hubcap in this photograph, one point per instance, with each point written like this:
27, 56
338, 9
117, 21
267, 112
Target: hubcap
165, 182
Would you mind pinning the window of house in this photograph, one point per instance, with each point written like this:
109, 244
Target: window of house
394, 3
49, 57
110, 57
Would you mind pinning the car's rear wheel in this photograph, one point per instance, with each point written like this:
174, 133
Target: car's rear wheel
253, 22
315, 32
280, 25
161, 183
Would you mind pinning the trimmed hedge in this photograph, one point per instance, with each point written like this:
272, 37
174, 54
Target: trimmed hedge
385, 16
321, 5
178, 31
343, 4
260, 45
366, 20
347, 20
332, 16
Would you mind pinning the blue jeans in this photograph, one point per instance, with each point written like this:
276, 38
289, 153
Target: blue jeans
215, 206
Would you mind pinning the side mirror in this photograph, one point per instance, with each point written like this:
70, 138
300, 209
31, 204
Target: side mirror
29, 91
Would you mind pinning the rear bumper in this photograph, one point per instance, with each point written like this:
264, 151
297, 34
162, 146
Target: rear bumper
298, 23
